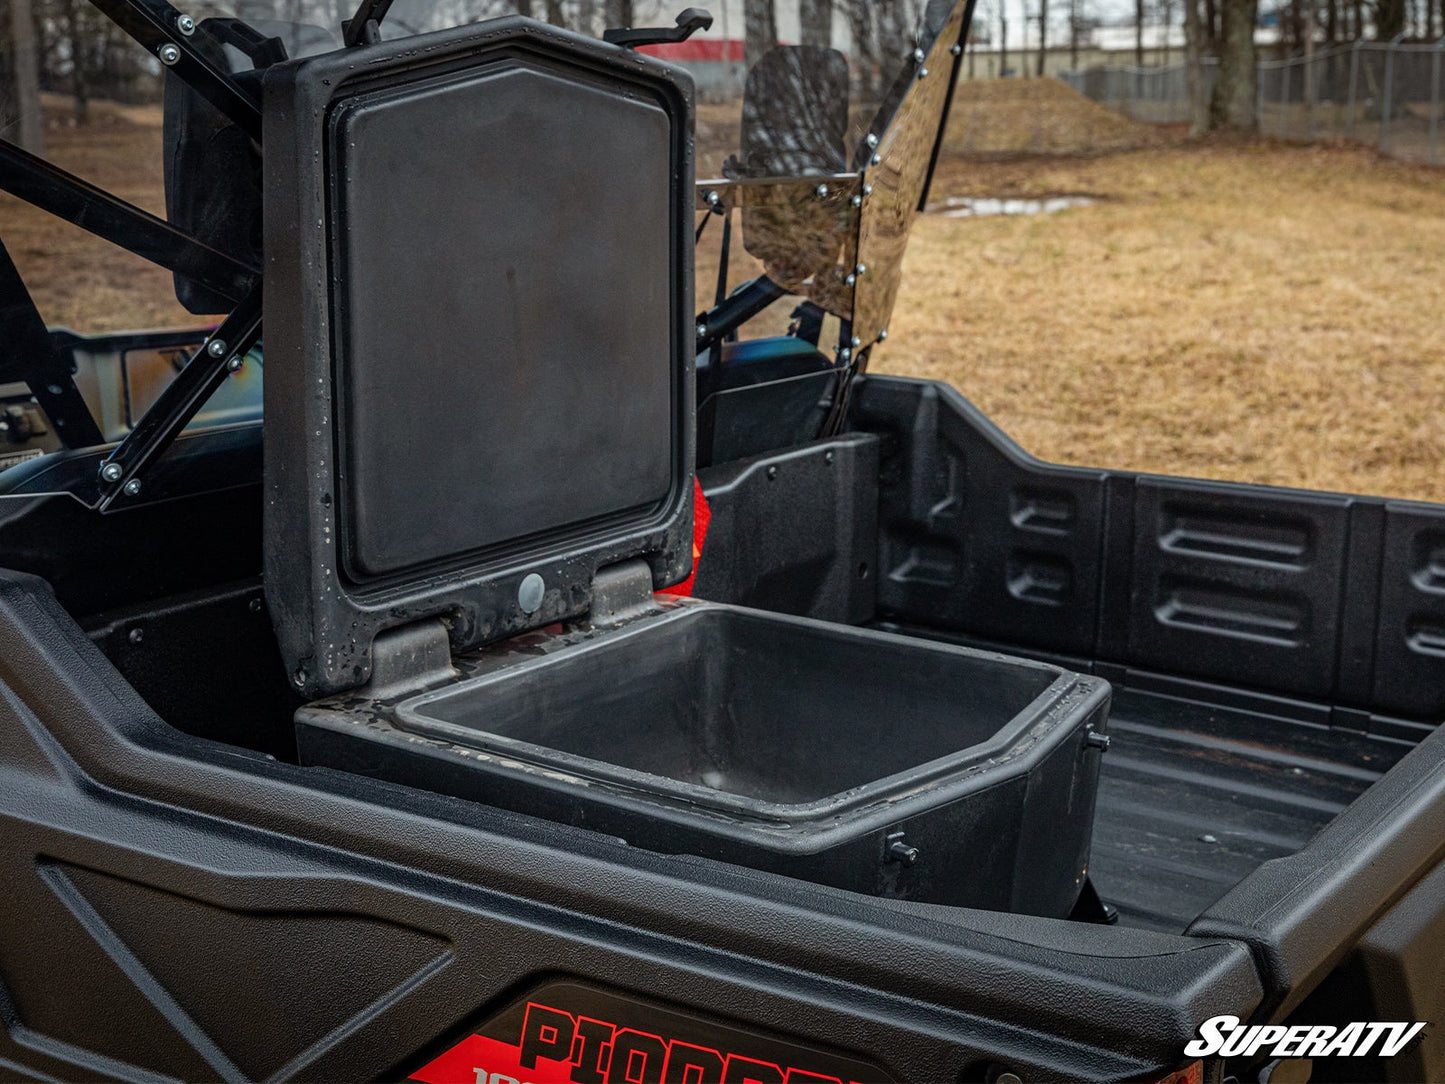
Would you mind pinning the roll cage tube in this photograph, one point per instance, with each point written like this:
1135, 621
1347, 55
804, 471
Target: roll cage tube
27, 351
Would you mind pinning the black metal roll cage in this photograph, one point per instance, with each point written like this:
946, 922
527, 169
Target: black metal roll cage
29, 354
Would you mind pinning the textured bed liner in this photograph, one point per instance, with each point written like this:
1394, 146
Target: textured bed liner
1193, 797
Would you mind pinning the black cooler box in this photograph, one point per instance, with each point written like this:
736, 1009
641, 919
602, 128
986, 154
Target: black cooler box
479, 432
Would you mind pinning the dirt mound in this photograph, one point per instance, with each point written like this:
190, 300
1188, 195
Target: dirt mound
1001, 117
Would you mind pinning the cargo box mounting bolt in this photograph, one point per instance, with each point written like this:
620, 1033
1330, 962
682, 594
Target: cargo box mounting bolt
898, 849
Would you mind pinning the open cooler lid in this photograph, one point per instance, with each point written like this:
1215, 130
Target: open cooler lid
478, 337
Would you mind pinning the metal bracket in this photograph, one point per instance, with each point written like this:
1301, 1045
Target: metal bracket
364, 28
159, 29
409, 659
621, 592
219, 356
689, 22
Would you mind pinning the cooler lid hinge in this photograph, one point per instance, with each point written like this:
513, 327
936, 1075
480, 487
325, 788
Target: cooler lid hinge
621, 592
409, 659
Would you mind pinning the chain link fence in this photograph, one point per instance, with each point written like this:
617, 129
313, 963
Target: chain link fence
1385, 93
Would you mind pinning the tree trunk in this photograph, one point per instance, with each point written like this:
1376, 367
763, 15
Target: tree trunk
1138, 33
1002, 42
1074, 35
761, 29
1211, 28
1233, 104
31, 129
1332, 22
79, 77
1194, 69
817, 20
1389, 18
554, 13
860, 25
1043, 35
617, 13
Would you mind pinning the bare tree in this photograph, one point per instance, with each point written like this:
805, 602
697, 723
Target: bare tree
817, 22
1233, 104
617, 13
1074, 30
1003, 38
1389, 18
26, 73
1043, 34
760, 31
79, 76
1194, 68
1138, 33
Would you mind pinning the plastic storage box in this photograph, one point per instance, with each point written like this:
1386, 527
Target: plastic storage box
845, 756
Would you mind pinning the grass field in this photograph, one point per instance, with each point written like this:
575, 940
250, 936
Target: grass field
1252, 311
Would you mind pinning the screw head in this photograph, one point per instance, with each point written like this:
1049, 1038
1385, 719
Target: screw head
867, 189
860, 269
110, 472
850, 280
872, 140
876, 159
772, 473
821, 191
299, 679
857, 201
923, 73
956, 49
131, 488
136, 635
701, 330
169, 54
216, 348
186, 25
857, 342
883, 334
918, 55
234, 363
844, 354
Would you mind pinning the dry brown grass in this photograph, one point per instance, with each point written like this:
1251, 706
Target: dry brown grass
1255, 312
1258, 312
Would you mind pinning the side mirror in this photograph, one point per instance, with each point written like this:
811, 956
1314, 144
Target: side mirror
212, 169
